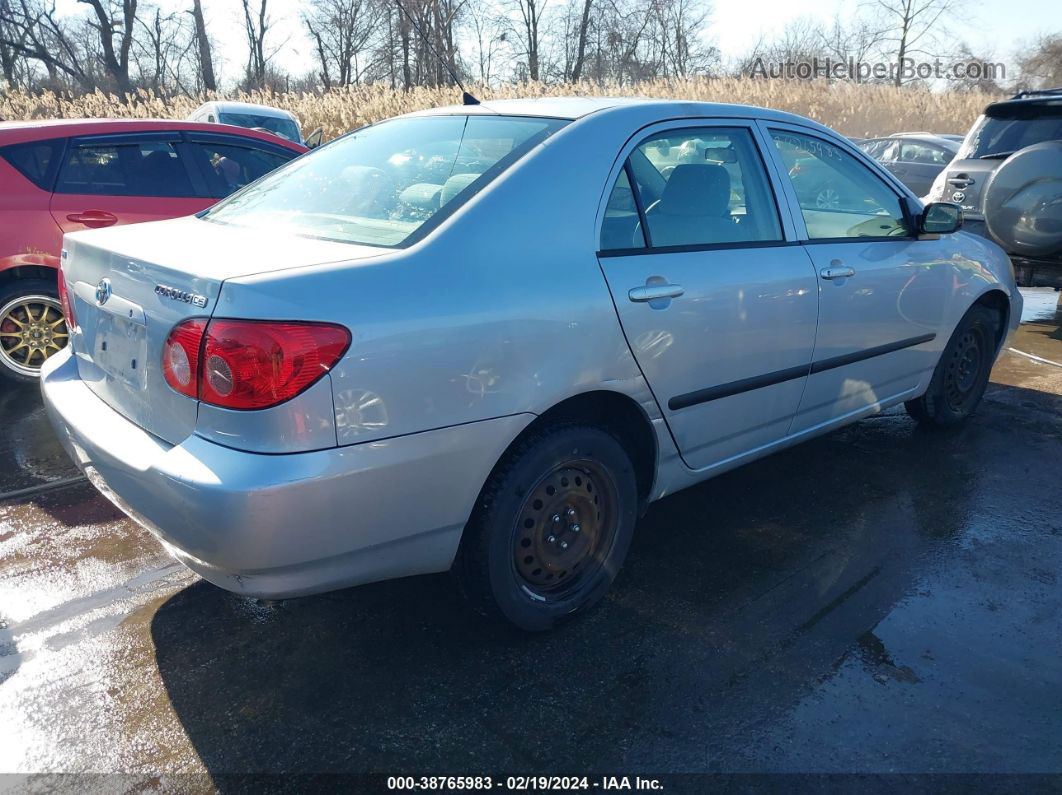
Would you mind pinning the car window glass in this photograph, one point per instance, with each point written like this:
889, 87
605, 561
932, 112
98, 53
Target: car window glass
1011, 128
36, 161
620, 228
923, 153
838, 196
229, 168
257, 121
889, 152
387, 182
698, 187
876, 149
148, 168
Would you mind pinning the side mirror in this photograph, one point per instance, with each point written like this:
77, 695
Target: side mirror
940, 218
314, 139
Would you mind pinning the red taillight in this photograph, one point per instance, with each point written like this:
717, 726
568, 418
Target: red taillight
66, 303
180, 356
249, 364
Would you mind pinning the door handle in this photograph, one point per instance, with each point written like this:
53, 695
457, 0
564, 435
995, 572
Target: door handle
654, 292
94, 219
837, 272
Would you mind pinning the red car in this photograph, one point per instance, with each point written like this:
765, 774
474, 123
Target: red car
64, 176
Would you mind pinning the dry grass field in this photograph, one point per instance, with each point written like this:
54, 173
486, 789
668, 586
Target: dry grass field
857, 110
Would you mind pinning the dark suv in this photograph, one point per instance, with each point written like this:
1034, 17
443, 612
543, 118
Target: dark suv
1008, 179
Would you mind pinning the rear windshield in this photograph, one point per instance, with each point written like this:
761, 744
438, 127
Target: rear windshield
274, 124
1009, 129
383, 185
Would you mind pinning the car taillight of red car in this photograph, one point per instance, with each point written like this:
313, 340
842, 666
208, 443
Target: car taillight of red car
65, 302
249, 364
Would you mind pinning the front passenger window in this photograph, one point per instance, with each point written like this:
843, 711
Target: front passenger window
839, 196
692, 187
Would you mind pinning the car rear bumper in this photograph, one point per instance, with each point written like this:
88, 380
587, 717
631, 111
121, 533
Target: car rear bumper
283, 525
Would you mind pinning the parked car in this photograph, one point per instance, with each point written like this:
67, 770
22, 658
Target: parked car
484, 338
60, 176
251, 116
914, 158
1007, 177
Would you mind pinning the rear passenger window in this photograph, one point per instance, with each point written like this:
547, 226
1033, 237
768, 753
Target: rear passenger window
839, 197
147, 168
923, 153
36, 161
229, 168
695, 187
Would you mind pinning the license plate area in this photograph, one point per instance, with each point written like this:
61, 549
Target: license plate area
120, 349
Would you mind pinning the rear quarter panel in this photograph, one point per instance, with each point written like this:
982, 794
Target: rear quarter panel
502, 310
28, 235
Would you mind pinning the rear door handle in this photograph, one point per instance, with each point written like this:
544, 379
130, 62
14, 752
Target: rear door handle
837, 272
654, 292
94, 219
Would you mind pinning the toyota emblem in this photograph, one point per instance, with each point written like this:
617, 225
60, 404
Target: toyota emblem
103, 291
958, 196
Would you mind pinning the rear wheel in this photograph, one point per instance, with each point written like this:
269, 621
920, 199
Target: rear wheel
32, 328
961, 375
551, 528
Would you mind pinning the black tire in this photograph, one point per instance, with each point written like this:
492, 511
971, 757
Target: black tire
46, 293
507, 566
961, 375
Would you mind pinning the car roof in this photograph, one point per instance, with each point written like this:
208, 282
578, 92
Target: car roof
578, 107
1047, 97
951, 144
224, 105
12, 132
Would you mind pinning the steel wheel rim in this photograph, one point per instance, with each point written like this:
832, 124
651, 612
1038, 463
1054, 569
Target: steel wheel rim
565, 529
32, 330
964, 368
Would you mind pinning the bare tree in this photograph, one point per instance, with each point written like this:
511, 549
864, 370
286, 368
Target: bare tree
489, 31
165, 53
1040, 66
206, 60
530, 13
910, 28
576, 73
32, 30
341, 31
114, 24
855, 40
257, 24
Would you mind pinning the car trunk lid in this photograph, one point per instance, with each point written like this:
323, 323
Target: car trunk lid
130, 286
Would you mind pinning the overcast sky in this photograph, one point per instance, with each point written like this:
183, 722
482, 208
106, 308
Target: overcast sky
996, 28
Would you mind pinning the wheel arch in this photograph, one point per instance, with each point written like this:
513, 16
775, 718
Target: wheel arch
18, 272
614, 412
998, 301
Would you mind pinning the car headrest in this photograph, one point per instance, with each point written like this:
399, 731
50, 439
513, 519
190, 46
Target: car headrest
454, 185
696, 189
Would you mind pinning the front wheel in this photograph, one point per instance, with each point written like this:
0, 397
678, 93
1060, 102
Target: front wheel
551, 528
32, 328
961, 375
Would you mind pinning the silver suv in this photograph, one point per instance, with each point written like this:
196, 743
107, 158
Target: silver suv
1007, 177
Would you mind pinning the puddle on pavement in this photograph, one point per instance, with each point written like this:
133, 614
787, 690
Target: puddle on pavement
1041, 303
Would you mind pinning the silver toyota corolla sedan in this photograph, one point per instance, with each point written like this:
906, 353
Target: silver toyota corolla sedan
485, 338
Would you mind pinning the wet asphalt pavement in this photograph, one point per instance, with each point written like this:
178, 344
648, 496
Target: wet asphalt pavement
882, 599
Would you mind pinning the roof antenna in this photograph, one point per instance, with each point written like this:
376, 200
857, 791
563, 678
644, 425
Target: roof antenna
466, 97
